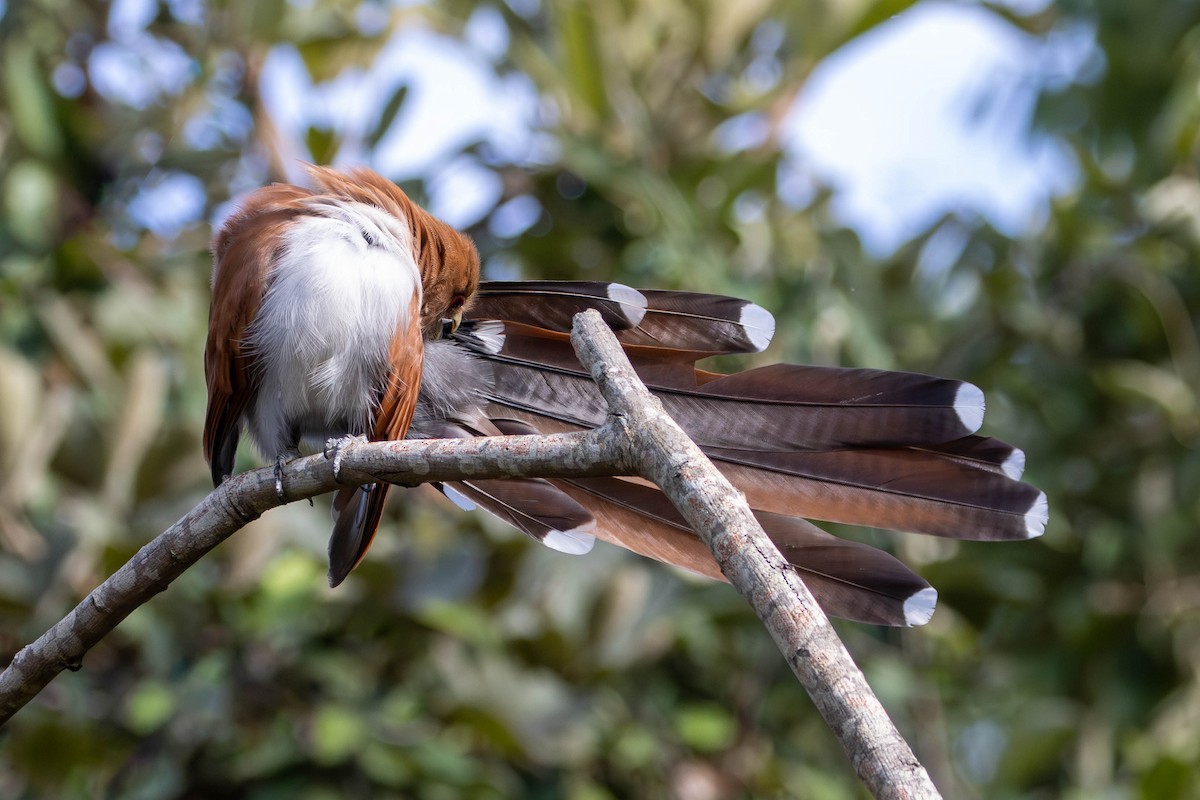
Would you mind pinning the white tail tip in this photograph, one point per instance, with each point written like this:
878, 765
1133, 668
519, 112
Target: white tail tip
573, 542
458, 498
633, 301
759, 324
1037, 516
919, 608
970, 405
1014, 465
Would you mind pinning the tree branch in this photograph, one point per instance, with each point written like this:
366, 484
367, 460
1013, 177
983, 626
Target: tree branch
720, 516
639, 438
245, 497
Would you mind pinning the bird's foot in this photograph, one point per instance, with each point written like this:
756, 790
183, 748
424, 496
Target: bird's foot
333, 450
281, 460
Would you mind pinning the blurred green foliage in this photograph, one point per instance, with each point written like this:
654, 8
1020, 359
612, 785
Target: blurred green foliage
459, 660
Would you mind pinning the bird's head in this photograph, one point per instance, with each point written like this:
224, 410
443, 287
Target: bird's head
446, 258
449, 275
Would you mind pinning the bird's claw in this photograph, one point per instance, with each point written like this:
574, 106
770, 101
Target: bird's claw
333, 449
281, 461
279, 477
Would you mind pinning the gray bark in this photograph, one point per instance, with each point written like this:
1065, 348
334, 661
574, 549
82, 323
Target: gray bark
639, 438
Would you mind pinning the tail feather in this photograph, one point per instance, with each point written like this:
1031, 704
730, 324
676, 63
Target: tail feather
897, 408
780, 408
909, 490
554, 304
531, 505
918, 491
534, 507
857, 446
849, 579
701, 324
986, 453
358, 510
682, 323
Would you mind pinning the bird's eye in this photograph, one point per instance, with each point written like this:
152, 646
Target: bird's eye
368, 237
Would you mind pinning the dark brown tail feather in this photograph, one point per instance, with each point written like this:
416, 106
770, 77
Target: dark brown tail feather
531, 505
688, 323
358, 511
535, 507
849, 579
553, 304
865, 447
780, 407
909, 490
918, 491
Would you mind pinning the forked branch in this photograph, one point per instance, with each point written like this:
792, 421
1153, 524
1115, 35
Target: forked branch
639, 438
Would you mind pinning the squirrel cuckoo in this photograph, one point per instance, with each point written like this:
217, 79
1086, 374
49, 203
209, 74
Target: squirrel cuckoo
346, 309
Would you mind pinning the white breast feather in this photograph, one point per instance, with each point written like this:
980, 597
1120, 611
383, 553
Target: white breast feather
342, 285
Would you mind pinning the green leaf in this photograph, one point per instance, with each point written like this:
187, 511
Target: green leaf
337, 733
878, 13
30, 100
584, 67
386, 764
461, 621
706, 727
31, 203
443, 761
149, 707
323, 144
1169, 779
291, 574
388, 116
636, 748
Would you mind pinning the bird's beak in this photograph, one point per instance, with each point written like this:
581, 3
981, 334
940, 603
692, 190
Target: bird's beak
451, 323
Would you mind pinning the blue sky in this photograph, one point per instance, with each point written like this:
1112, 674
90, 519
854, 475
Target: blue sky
930, 113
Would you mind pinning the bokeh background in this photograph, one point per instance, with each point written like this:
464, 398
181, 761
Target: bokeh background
1008, 195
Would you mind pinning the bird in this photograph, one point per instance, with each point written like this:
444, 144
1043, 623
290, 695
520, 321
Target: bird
345, 309
322, 298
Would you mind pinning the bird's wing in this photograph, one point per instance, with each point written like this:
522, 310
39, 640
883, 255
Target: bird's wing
359, 509
243, 253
